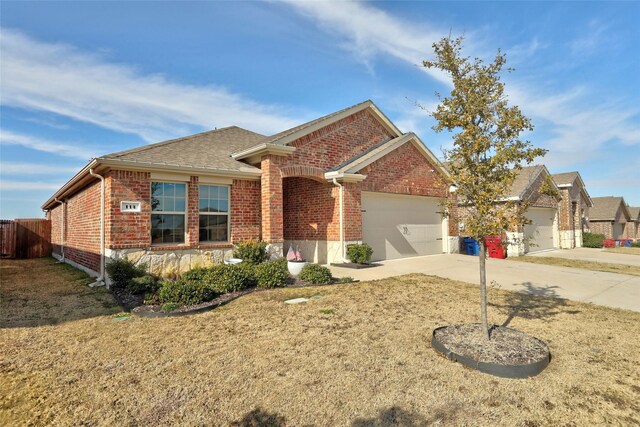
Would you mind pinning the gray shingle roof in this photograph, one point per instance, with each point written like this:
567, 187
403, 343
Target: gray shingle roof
565, 178
210, 150
605, 208
526, 176
634, 212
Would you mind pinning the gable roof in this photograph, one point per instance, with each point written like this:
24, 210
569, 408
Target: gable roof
606, 208
634, 213
524, 179
568, 179
203, 150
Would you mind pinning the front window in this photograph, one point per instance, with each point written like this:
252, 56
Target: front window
168, 212
214, 213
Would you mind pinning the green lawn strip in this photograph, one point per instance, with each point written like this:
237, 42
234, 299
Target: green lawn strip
586, 265
626, 251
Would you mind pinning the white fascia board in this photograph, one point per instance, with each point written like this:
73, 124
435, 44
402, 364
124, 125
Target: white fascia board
263, 149
344, 177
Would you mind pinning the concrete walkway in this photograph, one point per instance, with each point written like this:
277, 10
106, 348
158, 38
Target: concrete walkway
609, 289
590, 254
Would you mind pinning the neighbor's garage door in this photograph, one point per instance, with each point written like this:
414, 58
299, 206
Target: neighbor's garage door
540, 232
618, 231
398, 226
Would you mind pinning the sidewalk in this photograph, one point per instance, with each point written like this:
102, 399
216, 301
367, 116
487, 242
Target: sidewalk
609, 289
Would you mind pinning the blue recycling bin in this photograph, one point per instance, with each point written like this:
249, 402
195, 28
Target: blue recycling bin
471, 246
628, 244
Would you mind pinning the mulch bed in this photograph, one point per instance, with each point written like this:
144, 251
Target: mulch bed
127, 300
506, 347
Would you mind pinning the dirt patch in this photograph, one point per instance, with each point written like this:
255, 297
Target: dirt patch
506, 347
633, 270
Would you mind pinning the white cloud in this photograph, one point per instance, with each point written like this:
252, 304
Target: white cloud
7, 185
61, 79
45, 145
20, 168
372, 32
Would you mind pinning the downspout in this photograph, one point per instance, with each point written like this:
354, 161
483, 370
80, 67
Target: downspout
100, 281
62, 223
344, 255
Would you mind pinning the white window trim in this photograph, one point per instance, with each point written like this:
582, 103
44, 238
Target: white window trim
185, 213
228, 214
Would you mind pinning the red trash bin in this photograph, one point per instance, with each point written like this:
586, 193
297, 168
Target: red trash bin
494, 247
609, 243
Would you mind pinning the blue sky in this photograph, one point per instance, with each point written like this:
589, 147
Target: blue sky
81, 79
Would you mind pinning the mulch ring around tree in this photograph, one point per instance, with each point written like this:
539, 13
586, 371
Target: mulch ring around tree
509, 353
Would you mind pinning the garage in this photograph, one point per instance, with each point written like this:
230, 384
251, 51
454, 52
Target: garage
539, 234
400, 226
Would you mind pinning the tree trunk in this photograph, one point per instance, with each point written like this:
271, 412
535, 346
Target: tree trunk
483, 288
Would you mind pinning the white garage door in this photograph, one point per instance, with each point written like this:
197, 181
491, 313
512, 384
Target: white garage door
398, 226
539, 233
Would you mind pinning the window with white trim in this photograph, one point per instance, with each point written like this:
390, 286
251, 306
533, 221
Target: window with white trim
214, 213
168, 212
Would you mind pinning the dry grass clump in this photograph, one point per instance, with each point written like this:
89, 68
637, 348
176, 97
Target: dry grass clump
633, 270
628, 251
357, 356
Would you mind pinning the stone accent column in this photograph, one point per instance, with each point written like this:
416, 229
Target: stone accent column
271, 201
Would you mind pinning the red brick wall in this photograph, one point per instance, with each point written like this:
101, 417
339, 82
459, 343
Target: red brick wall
601, 227
352, 211
340, 141
55, 216
82, 227
271, 200
311, 210
128, 229
245, 210
404, 171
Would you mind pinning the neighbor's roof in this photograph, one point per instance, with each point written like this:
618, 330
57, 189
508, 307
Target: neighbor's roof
606, 208
203, 150
565, 178
634, 213
526, 176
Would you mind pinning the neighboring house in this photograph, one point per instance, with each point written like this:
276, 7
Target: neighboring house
350, 176
573, 209
634, 223
533, 185
609, 216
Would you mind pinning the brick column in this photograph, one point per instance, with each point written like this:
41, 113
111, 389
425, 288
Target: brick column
352, 211
193, 212
271, 200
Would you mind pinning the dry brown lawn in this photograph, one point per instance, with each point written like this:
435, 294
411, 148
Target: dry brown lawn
633, 270
628, 251
357, 356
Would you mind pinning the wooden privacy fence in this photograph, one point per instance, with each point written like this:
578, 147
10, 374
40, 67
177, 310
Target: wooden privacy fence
25, 238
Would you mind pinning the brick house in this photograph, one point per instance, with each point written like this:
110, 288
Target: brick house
542, 233
634, 229
573, 208
350, 176
610, 216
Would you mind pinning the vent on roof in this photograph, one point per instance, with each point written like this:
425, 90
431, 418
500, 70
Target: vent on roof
129, 206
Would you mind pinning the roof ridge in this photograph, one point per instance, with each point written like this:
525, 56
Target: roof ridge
171, 141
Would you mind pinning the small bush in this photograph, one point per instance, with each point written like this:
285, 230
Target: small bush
232, 278
170, 306
121, 271
197, 274
143, 284
591, 240
635, 244
185, 292
360, 254
251, 252
272, 274
316, 274
345, 279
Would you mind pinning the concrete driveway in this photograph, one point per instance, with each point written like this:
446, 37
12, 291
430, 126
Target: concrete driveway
590, 254
610, 289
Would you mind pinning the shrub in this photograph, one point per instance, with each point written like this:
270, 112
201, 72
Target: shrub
360, 254
197, 274
185, 292
591, 240
316, 274
170, 306
635, 244
251, 252
272, 274
143, 284
121, 271
232, 278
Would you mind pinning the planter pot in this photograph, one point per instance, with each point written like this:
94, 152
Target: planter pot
295, 267
233, 261
525, 370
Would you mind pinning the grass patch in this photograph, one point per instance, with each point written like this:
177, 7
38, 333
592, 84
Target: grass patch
633, 270
627, 251
260, 362
328, 311
41, 292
